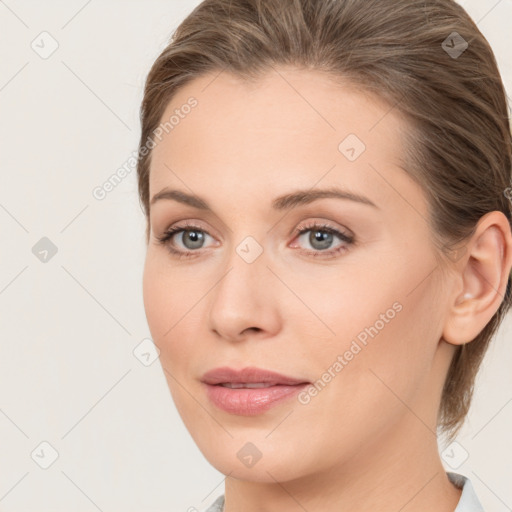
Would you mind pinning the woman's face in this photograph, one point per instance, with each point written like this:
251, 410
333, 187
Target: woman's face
358, 314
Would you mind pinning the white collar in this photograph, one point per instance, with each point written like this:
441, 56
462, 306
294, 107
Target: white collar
468, 500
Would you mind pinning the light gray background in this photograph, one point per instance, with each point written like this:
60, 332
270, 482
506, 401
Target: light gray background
69, 326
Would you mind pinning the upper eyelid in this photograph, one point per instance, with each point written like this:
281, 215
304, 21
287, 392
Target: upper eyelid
303, 225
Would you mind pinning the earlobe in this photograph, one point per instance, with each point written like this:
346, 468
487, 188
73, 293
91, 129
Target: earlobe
484, 272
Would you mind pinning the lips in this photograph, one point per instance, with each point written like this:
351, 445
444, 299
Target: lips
249, 391
251, 376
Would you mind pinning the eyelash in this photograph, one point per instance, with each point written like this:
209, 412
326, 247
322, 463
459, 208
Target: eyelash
326, 228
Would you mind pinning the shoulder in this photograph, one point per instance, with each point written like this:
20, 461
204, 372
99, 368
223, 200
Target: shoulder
469, 501
216, 506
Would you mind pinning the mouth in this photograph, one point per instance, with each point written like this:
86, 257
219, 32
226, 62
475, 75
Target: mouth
249, 391
250, 385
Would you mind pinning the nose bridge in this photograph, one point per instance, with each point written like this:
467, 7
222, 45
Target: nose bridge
246, 265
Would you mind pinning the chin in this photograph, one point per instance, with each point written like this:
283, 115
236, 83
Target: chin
256, 462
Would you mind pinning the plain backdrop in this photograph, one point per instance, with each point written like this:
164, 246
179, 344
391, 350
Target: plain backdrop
71, 310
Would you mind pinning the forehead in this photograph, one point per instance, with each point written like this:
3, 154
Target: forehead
288, 127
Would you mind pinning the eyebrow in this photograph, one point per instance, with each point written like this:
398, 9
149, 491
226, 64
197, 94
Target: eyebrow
284, 202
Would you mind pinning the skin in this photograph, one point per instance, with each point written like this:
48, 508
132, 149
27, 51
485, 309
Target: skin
368, 439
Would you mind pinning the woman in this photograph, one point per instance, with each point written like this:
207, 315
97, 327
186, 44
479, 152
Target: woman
329, 244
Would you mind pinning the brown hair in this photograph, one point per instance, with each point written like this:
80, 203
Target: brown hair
458, 145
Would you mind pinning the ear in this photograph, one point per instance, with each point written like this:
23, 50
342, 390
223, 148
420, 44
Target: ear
484, 270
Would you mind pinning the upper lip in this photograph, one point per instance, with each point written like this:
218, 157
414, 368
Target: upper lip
250, 374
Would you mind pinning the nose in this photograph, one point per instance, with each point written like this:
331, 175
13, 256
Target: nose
245, 301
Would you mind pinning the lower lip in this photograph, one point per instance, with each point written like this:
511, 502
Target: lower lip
250, 401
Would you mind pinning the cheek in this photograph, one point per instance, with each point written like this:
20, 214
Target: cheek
156, 301
379, 359
378, 326
175, 314
166, 305
167, 296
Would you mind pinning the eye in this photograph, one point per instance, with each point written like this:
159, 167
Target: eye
321, 238
192, 238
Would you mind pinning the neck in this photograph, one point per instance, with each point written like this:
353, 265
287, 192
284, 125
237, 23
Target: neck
399, 471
